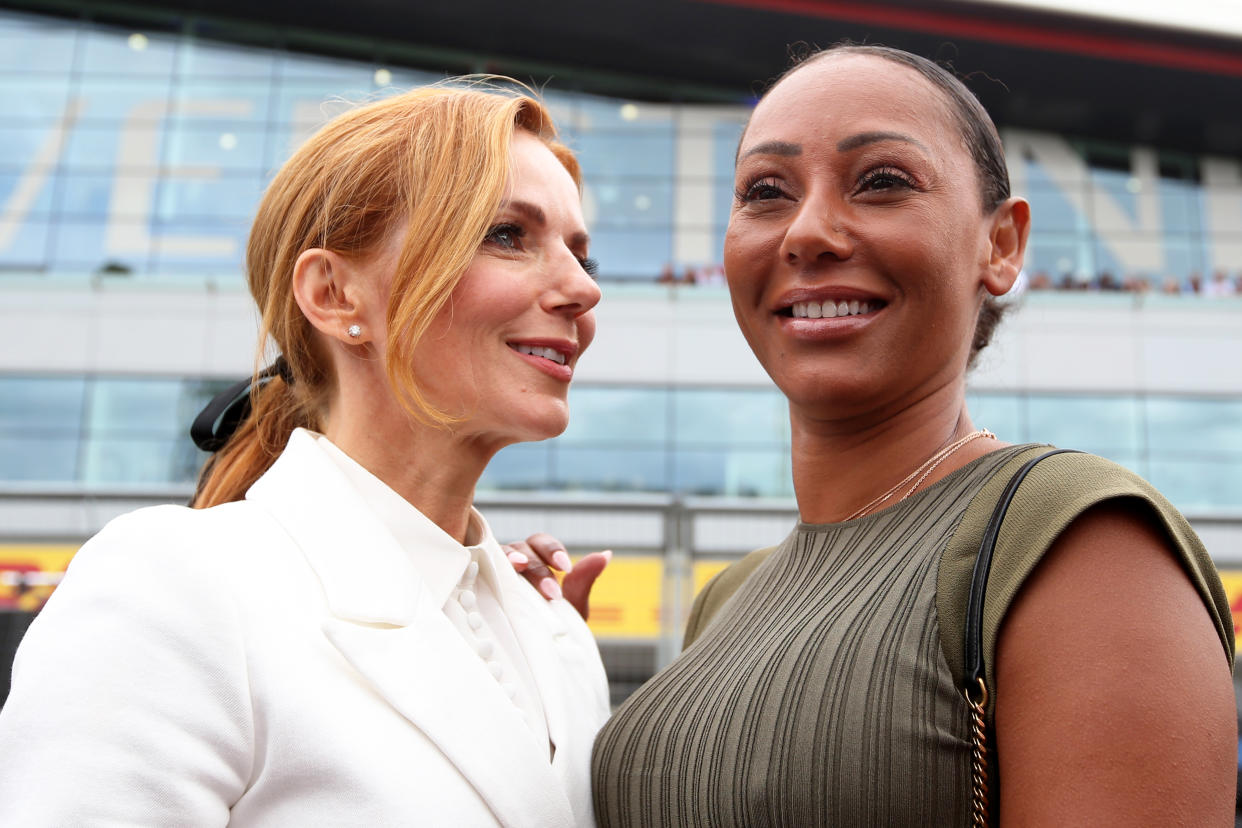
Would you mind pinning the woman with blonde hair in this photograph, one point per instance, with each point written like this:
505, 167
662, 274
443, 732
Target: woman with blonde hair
333, 636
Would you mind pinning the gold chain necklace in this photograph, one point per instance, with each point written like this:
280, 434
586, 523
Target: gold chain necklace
929, 466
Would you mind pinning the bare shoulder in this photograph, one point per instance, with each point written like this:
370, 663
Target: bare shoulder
1114, 698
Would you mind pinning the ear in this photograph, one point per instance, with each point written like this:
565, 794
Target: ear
1011, 225
327, 289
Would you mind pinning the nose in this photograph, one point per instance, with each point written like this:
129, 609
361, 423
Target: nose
814, 233
574, 292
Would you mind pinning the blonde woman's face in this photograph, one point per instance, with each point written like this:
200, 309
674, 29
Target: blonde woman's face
502, 352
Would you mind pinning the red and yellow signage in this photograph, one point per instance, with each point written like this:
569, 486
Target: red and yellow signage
1232, 579
626, 602
29, 573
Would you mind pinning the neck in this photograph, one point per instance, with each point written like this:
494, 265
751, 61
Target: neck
841, 466
427, 466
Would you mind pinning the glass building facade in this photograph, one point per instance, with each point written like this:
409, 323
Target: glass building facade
142, 155
107, 432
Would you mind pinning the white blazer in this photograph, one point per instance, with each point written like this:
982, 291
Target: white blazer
278, 662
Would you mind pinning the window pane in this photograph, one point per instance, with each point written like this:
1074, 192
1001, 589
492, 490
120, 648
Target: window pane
730, 418
999, 413
610, 469
40, 100
612, 416
1209, 427
45, 406
34, 44
1199, 484
40, 428
39, 459
631, 254
122, 52
521, 466
1103, 425
137, 460
733, 472
124, 407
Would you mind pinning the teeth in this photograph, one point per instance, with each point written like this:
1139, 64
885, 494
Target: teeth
547, 353
829, 310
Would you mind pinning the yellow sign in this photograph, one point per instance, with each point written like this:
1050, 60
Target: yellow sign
625, 603
28, 574
704, 571
1232, 580
626, 600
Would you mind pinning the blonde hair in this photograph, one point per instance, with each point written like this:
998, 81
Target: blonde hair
435, 158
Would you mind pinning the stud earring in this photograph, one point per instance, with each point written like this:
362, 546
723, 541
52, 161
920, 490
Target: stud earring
355, 331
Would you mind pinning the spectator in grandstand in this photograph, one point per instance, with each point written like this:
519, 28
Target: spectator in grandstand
1041, 281
1220, 285
822, 679
335, 637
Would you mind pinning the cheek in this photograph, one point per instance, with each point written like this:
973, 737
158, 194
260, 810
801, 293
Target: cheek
749, 250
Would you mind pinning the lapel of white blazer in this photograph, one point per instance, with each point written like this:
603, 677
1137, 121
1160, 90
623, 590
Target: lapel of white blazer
385, 624
549, 646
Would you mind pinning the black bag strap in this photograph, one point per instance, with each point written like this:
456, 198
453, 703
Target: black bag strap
983, 566
975, 686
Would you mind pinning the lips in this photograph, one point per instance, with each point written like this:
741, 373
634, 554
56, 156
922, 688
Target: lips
832, 308
541, 351
827, 302
553, 357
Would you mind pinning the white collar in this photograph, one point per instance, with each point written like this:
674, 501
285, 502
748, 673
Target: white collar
439, 558
374, 552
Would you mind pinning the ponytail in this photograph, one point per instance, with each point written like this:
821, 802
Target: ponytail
273, 411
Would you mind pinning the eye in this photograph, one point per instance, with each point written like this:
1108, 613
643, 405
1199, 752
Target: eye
508, 236
765, 188
883, 179
589, 266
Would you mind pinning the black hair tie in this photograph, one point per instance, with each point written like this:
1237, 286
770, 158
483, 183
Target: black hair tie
218, 421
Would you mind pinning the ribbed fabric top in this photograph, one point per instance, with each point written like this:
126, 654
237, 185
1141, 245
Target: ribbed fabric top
819, 694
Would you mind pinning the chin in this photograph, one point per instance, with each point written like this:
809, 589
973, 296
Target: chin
536, 425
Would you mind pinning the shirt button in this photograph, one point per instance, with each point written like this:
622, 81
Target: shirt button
475, 621
472, 570
494, 668
467, 599
485, 649
510, 689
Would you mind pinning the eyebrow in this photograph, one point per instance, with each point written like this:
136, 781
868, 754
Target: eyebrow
862, 139
536, 214
772, 148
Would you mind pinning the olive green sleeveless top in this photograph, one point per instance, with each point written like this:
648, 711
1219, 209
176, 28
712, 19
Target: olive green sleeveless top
819, 685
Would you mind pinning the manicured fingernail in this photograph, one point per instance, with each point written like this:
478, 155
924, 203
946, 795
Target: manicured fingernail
607, 553
561, 561
550, 589
518, 559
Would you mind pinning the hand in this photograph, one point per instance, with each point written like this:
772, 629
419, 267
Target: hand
541, 553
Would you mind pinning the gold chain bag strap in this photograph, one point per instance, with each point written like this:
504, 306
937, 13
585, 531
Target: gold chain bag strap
975, 686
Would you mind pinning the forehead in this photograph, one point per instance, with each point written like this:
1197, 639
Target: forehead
535, 171
851, 93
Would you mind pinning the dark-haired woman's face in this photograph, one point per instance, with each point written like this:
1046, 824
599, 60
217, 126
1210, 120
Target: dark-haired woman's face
857, 243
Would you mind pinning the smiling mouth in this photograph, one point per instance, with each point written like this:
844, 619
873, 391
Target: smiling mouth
831, 309
550, 354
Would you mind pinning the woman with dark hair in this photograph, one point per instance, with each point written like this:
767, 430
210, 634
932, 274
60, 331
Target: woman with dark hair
333, 636
823, 679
